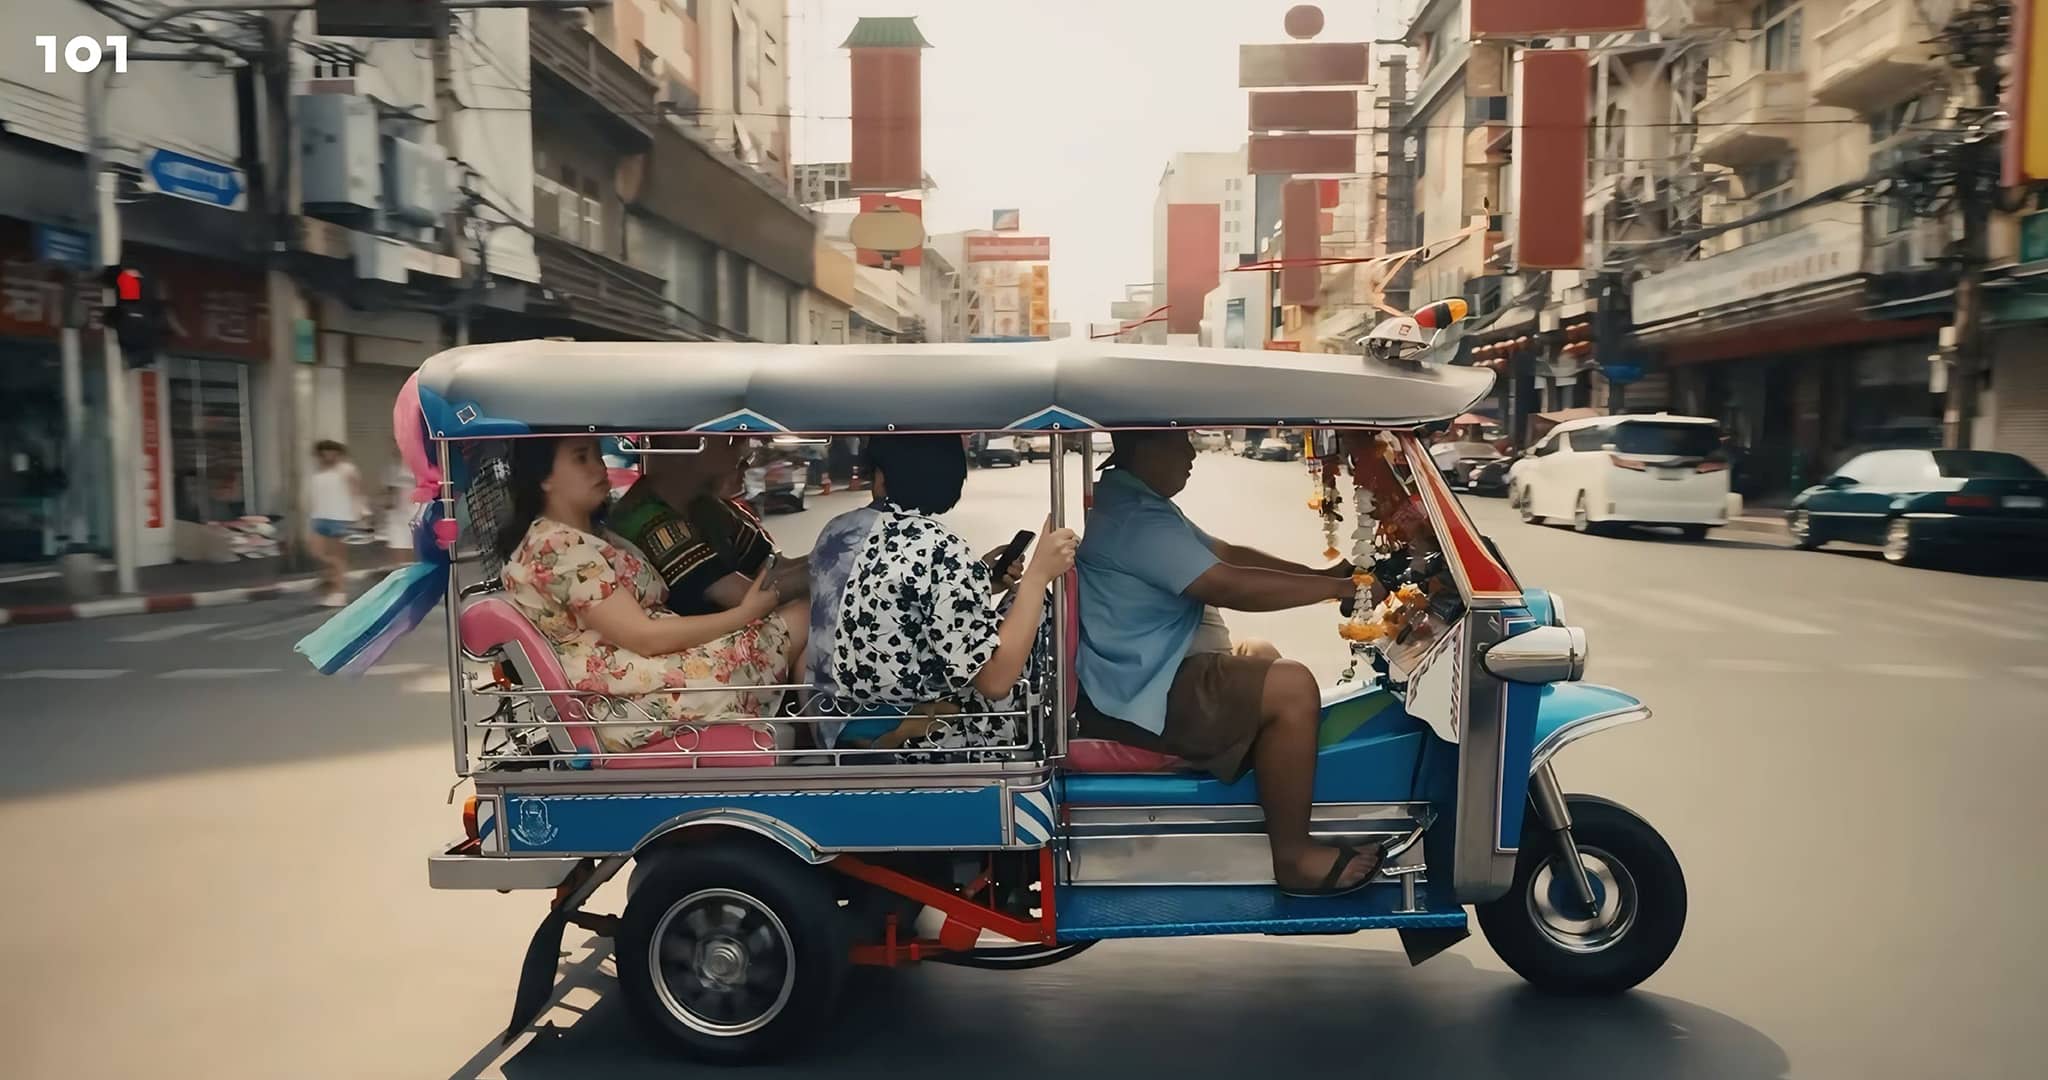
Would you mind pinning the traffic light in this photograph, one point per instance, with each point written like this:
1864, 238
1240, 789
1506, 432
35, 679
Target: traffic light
137, 317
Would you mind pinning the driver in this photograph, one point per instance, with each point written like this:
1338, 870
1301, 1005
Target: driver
1156, 674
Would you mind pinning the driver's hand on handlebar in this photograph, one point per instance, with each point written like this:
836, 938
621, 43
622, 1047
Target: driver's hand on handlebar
1053, 556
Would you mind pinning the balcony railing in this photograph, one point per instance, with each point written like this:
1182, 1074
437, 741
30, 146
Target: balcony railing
625, 99
1875, 50
1755, 118
604, 292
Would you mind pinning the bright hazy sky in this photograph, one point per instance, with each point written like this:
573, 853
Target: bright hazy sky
1064, 109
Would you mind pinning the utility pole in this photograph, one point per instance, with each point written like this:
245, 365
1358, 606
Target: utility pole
1975, 37
103, 221
446, 105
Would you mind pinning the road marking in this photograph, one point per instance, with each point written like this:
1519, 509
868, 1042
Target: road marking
399, 669
2009, 610
218, 672
1761, 666
1640, 612
1906, 611
1742, 616
1912, 671
279, 628
67, 673
166, 633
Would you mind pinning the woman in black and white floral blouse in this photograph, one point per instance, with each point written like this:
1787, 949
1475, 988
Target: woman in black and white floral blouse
919, 622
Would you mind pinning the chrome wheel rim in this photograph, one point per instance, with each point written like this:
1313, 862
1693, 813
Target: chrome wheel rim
1581, 520
723, 963
1898, 540
1800, 527
1554, 906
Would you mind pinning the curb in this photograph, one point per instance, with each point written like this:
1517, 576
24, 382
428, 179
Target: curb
156, 603
1759, 526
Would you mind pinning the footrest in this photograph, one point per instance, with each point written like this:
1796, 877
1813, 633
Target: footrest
1097, 912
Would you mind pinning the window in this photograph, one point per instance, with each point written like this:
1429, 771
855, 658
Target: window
1588, 440
1775, 47
1962, 464
1897, 134
1769, 185
1675, 440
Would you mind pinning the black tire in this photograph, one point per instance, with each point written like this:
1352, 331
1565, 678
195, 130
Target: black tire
1694, 533
1649, 897
1582, 518
1900, 546
756, 953
1800, 524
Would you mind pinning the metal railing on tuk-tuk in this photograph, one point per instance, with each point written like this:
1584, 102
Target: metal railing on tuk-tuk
483, 504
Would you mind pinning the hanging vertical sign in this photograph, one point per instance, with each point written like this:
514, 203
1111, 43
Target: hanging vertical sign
888, 105
2026, 142
152, 451
1550, 160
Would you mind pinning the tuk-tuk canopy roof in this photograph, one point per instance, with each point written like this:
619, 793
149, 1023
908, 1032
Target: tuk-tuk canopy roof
484, 391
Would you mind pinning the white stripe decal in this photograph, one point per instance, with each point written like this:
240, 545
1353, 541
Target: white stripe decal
1028, 826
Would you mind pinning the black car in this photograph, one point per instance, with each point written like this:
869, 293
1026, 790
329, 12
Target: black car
1491, 477
1920, 503
999, 452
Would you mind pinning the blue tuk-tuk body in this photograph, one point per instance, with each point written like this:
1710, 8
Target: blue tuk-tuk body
760, 874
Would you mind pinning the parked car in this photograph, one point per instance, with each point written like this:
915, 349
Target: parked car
1273, 448
1920, 503
1457, 461
1626, 470
1000, 451
1491, 477
1207, 440
1036, 447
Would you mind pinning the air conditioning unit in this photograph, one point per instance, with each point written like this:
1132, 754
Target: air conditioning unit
338, 151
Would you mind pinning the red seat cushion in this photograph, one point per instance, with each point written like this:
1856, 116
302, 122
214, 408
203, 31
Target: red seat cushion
1109, 756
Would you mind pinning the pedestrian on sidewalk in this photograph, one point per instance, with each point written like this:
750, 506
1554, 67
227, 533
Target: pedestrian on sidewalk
336, 492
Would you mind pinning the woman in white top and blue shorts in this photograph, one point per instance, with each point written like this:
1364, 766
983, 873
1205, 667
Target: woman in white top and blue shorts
335, 494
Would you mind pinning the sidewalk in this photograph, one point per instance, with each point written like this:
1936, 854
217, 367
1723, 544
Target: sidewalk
33, 594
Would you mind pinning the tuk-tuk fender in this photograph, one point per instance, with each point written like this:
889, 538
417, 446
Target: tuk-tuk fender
1568, 712
759, 824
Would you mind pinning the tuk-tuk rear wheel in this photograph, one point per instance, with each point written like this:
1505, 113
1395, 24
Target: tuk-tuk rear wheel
732, 954
1539, 929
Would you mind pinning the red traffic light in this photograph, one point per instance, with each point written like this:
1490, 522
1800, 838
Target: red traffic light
128, 286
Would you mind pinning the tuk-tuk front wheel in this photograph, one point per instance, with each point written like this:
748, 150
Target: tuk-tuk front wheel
732, 955
1549, 936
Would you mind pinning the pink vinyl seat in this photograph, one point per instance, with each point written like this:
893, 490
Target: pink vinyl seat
1100, 755
492, 622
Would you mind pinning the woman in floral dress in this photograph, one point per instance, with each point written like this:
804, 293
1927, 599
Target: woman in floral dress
599, 602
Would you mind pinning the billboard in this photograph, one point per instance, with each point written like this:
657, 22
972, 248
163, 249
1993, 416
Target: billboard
888, 124
1554, 18
1550, 160
913, 207
1301, 242
1009, 248
1006, 221
1291, 154
1305, 63
1194, 232
1304, 110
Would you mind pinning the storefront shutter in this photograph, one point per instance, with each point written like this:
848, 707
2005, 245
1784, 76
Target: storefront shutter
371, 389
2020, 425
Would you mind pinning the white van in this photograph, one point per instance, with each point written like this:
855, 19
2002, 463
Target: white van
1626, 470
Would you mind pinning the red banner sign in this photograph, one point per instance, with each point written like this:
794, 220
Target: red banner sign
152, 451
1283, 346
1550, 160
1009, 248
1554, 18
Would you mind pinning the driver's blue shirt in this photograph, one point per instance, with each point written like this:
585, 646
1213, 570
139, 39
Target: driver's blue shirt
1138, 555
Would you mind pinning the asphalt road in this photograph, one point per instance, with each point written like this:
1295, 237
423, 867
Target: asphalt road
216, 857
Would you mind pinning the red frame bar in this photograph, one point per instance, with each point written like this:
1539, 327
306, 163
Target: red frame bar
956, 907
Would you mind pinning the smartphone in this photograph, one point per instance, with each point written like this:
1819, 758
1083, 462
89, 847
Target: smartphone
1011, 554
767, 570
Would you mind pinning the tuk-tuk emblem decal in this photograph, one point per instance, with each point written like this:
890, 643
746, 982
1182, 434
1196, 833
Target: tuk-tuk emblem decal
532, 827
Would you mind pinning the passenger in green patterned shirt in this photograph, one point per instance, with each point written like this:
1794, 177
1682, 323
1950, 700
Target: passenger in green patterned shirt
685, 514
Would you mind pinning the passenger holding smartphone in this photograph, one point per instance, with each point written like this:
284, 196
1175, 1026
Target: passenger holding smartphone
909, 628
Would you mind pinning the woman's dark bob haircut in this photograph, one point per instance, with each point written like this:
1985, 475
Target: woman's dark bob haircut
923, 473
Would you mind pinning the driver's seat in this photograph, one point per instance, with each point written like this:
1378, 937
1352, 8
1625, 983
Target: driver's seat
1100, 755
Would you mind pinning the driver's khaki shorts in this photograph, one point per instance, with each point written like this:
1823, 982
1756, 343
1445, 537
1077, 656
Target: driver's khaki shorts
1212, 714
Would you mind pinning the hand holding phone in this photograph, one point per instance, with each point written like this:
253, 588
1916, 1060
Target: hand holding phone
1000, 568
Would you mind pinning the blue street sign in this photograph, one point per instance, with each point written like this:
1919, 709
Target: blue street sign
65, 247
194, 178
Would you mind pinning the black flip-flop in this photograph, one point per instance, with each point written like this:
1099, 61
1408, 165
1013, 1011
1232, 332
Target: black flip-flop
1345, 855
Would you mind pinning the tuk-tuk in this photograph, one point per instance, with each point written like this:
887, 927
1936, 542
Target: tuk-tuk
760, 875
